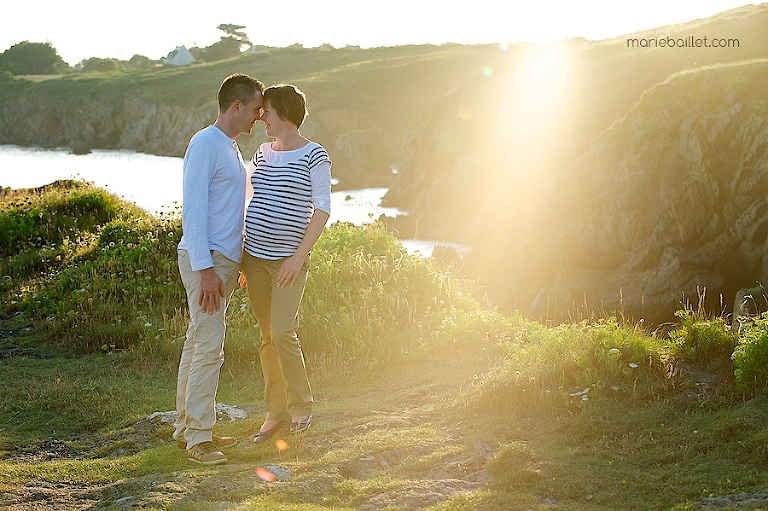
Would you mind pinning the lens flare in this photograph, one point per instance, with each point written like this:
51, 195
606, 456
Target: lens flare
265, 475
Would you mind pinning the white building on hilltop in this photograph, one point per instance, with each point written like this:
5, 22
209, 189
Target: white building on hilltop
179, 57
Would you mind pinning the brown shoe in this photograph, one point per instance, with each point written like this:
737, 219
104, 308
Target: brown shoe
219, 441
206, 453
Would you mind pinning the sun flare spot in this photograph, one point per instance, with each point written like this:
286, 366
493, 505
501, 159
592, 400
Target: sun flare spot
533, 107
528, 100
539, 83
265, 475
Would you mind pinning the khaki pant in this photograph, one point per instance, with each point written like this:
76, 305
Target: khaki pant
203, 353
287, 392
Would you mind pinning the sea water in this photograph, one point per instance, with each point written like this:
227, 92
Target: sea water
154, 183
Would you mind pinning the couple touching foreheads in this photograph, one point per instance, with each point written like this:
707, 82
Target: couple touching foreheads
254, 223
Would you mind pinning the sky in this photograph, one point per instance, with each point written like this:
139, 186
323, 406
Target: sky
81, 29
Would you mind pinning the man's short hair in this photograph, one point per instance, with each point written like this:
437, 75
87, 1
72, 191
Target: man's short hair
238, 86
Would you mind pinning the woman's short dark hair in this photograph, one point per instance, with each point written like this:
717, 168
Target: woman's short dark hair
238, 86
288, 102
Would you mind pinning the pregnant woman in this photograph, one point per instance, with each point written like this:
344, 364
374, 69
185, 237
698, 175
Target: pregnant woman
290, 179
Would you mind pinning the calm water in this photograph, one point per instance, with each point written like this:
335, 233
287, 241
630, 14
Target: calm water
154, 182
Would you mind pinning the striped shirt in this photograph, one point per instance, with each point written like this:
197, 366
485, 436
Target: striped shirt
287, 186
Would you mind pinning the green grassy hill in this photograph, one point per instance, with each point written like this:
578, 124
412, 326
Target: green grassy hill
427, 397
491, 146
362, 102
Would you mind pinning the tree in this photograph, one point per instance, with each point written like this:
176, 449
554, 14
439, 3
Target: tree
197, 52
139, 62
95, 64
222, 49
27, 58
235, 32
230, 45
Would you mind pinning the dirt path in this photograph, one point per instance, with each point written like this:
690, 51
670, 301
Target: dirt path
404, 440
428, 483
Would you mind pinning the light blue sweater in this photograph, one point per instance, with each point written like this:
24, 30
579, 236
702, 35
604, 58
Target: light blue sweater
213, 198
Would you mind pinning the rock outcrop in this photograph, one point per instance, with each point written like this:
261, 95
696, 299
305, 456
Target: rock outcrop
593, 176
672, 201
85, 121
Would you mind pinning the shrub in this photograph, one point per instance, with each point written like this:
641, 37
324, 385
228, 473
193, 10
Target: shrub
48, 215
88, 267
704, 341
751, 357
368, 300
103, 275
568, 366
126, 285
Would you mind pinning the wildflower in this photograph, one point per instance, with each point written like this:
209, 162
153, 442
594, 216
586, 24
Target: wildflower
633, 365
581, 393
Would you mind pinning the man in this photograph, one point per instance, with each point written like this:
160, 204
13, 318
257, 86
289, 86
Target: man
209, 256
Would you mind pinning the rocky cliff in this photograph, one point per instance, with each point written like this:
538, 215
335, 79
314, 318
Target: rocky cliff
361, 101
131, 122
86, 122
672, 200
592, 176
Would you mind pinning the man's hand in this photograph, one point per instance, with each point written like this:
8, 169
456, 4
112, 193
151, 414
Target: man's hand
211, 291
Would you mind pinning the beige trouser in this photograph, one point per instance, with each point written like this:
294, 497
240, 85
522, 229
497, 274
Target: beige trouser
203, 353
287, 393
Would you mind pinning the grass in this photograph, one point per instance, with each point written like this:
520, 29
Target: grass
58, 398
609, 455
427, 397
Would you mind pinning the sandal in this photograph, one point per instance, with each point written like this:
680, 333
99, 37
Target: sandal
263, 436
302, 424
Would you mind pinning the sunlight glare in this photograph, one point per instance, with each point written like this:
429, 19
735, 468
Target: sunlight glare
265, 475
534, 93
539, 86
532, 110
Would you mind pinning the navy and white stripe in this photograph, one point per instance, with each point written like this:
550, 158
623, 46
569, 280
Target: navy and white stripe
287, 187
